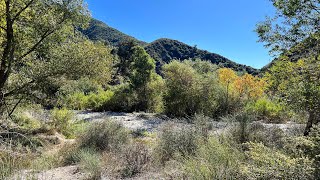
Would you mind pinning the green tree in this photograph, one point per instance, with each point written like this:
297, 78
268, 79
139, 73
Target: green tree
190, 91
142, 69
298, 85
295, 21
28, 29
295, 28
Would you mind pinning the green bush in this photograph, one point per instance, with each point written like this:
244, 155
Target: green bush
241, 123
189, 91
268, 110
80, 101
267, 163
123, 100
26, 122
306, 146
90, 162
104, 136
62, 121
174, 142
97, 100
83, 85
217, 159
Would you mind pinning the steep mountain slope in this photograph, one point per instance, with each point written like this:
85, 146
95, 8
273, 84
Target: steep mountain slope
99, 31
162, 50
165, 50
307, 48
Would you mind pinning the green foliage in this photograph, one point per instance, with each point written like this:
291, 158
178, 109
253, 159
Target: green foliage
154, 94
166, 50
175, 142
62, 121
217, 159
266, 163
99, 31
144, 89
297, 86
90, 162
26, 121
306, 147
34, 31
142, 68
189, 92
84, 85
80, 101
268, 110
141, 77
46, 162
88, 159
123, 100
293, 22
104, 136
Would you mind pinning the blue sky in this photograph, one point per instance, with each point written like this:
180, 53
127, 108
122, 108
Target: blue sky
225, 27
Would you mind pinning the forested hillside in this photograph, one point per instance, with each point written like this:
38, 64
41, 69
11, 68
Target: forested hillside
162, 50
166, 50
99, 31
308, 47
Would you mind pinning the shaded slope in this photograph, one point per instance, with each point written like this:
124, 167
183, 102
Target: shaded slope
165, 50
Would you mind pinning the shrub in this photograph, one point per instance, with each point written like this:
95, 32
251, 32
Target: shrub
217, 159
77, 101
306, 147
62, 121
104, 136
189, 91
180, 141
24, 121
46, 162
203, 125
80, 101
134, 159
97, 100
90, 162
268, 110
240, 132
272, 137
267, 163
83, 85
9, 164
154, 94
123, 100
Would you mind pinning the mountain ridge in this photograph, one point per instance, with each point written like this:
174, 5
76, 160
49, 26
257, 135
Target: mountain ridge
163, 50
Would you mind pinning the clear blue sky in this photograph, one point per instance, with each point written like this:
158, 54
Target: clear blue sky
225, 27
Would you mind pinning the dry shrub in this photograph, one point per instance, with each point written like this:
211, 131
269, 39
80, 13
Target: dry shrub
175, 141
135, 159
132, 159
104, 136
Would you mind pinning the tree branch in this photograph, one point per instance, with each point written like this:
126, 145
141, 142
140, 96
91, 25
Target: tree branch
5, 29
23, 9
43, 37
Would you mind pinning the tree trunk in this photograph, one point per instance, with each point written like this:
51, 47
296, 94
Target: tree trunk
311, 121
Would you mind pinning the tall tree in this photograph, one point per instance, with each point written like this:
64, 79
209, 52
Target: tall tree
298, 85
294, 27
28, 28
294, 22
142, 69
